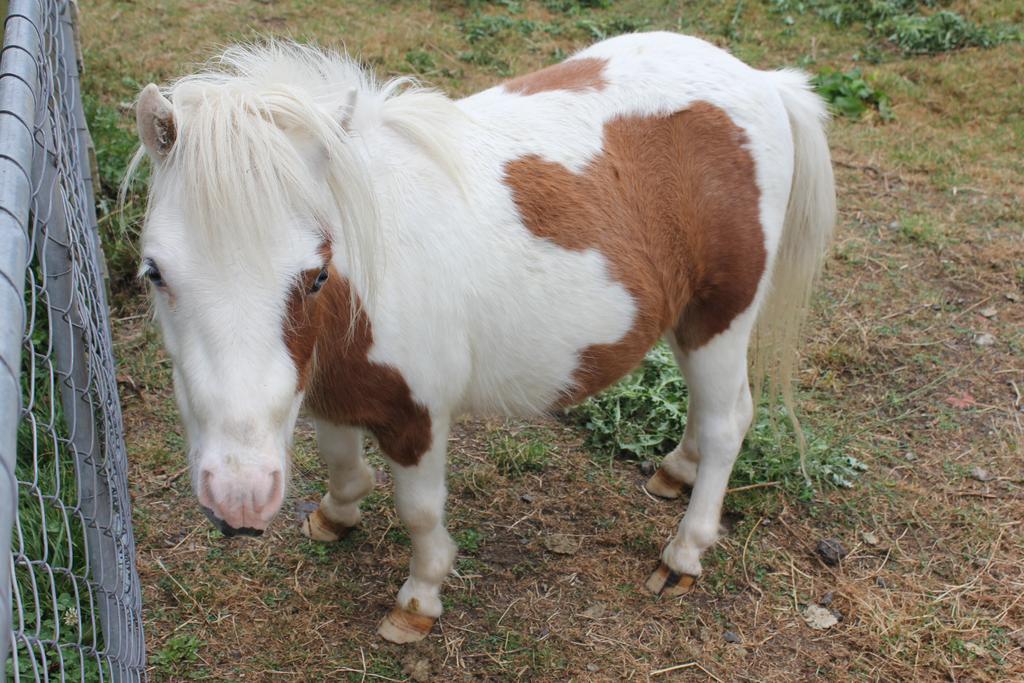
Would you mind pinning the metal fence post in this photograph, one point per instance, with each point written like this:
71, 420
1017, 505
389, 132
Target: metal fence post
58, 386
17, 112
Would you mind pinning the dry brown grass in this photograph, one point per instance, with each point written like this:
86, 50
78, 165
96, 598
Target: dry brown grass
930, 237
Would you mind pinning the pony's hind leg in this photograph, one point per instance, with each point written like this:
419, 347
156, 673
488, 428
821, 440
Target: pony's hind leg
720, 411
349, 479
678, 470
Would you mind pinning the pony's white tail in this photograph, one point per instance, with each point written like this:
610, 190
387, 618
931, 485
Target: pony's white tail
810, 217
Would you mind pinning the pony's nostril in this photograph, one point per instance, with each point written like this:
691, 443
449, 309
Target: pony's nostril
276, 486
269, 497
205, 490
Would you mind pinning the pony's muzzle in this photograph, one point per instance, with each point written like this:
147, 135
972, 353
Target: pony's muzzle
240, 503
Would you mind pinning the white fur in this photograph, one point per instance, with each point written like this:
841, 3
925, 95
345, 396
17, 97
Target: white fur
473, 310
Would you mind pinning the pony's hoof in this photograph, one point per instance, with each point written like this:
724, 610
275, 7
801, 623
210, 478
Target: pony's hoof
317, 527
664, 485
402, 626
669, 584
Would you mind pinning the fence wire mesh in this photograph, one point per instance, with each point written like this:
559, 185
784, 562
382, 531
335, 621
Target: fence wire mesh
70, 592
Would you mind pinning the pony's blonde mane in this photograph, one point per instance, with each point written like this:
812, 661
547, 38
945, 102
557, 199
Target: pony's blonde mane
240, 174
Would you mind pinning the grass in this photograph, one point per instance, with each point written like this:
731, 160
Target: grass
929, 235
177, 656
517, 454
51, 602
119, 226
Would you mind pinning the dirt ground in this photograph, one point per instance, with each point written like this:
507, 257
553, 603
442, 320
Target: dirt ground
913, 365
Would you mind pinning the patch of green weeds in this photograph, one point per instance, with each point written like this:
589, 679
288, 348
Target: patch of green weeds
643, 416
483, 27
177, 655
384, 666
515, 455
468, 540
397, 536
600, 27
850, 94
420, 61
902, 23
469, 566
846, 12
487, 35
941, 32
922, 230
576, 6
954, 471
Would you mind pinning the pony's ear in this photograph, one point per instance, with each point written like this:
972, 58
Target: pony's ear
350, 108
155, 119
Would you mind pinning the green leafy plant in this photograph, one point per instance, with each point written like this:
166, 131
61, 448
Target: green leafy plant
420, 61
599, 28
468, 540
643, 416
902, 23
850, 94
488, 35
182, 649
870, 12
487, 26
939, 32
576, 6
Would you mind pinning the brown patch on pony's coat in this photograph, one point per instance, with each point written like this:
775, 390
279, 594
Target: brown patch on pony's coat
343, 384
673, 204
576, 75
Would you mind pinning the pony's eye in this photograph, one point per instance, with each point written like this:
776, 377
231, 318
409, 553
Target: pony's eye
321, 278
153, 273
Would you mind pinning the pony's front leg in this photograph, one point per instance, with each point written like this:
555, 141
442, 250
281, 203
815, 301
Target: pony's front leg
420, 494
349, 479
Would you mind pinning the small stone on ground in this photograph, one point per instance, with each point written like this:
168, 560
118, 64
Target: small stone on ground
831, 551
731, 637
984, 339
418, 669
869, 538
647, 468
819, 618
561, 544
981, 474
975, 649
306, 507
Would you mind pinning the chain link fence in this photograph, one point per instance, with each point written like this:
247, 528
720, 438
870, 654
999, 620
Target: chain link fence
70, 605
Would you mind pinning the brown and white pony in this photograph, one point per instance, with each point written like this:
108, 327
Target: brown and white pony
388, 258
